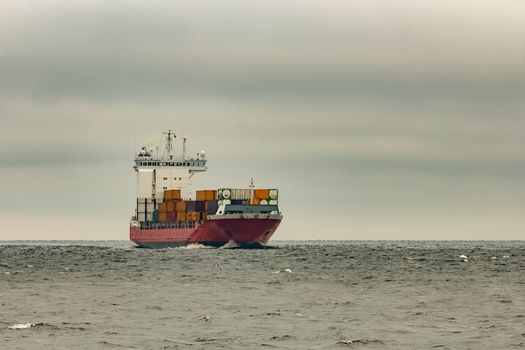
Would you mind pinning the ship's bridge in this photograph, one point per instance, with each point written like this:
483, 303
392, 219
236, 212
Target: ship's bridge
194, 164
160, 168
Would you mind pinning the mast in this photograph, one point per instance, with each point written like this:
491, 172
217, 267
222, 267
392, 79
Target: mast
170, 136
251, 191
184, 148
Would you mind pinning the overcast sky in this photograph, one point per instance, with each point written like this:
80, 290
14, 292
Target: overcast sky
376, 119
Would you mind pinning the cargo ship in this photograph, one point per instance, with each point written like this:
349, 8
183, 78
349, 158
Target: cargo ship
168, 213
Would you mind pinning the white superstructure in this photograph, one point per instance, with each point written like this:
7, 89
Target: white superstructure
162, 169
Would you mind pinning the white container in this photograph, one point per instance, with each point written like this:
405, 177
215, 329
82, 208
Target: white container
225, 193
143, 217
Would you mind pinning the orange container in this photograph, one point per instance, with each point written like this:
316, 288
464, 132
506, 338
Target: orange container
200, 195
181, 216
180, 206
162, 207
255, 201
262, 194
163, 217
170, 195
191, 215
170, 207
210, 195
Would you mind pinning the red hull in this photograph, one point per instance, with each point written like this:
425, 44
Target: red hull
214, 232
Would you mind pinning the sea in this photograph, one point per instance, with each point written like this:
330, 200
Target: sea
292, 295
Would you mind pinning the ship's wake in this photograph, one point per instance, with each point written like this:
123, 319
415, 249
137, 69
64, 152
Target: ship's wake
230, 245
194, 246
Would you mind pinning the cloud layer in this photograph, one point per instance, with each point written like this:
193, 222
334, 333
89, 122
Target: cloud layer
363, 108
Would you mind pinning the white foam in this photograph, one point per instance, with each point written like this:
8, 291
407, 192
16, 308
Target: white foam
463, 256
288, 270
231, 244
194, 246
7, 273
21, 326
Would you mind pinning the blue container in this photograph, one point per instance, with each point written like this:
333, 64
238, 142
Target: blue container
200, 206
212, 207
190, 206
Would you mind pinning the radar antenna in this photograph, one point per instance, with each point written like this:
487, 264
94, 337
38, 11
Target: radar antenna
170, 136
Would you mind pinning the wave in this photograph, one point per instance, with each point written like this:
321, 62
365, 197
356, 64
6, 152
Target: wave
230, 245
193, 246
21, 326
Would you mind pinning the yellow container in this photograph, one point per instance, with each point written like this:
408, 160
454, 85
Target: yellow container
163, 217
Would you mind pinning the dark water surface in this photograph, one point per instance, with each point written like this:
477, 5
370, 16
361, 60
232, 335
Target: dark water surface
301, 295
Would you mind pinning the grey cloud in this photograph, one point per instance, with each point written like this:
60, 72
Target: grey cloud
187, 50
369, 109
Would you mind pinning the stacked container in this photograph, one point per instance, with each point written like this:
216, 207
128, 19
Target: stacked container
173, 208
167, 209
266, 196
145, 208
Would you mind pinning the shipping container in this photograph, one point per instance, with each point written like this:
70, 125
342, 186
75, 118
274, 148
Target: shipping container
200, 195
224, 193
170, 207
142, 217
273, 202
263, 202
163, 217
261, 194
180, 206
181, 216
148, 200
255, 201
211, 206
172, 216
190, 206
143, 208
273, 194
162, 207
170, 195
200, 206
240, 193
192, 216
211, 195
